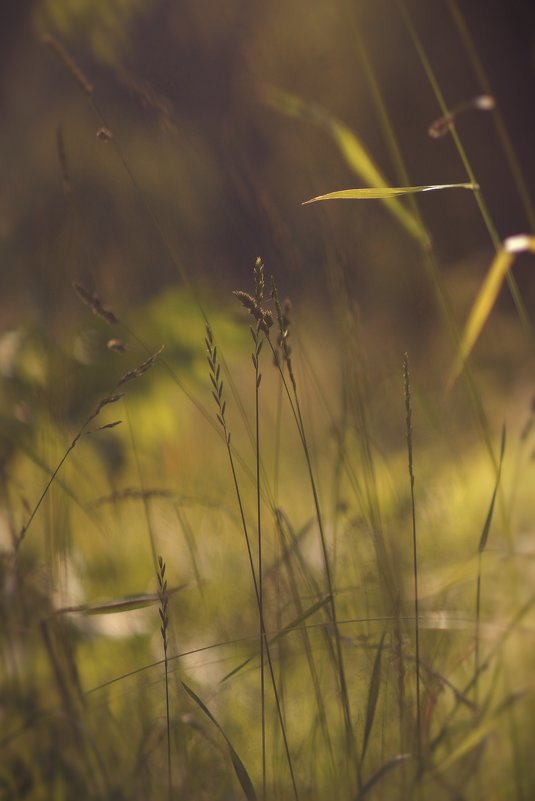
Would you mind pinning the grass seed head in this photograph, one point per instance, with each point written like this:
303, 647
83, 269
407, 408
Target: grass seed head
92, 299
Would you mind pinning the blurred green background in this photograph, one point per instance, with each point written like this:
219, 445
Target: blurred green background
182, 86
220, 121
205, 172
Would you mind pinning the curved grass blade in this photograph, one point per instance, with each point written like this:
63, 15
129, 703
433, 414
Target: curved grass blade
381, 773
490, 513
486, 298
120, 605
481, 547
241, 772
285, 630
351, 149
385, 192
373, 695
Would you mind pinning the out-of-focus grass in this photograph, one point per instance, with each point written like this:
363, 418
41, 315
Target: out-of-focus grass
89, 543
88, 702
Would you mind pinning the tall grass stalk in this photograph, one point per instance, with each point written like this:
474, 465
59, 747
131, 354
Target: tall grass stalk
217, 393
296, 409
144, 497
408, 421
164, 619
286, 533
480, 550
257, 336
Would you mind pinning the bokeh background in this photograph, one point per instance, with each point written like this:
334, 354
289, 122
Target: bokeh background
182, 86
219, 119
221, 116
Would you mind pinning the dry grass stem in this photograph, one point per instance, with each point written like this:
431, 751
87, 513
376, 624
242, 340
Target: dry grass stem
69, 63
92, 299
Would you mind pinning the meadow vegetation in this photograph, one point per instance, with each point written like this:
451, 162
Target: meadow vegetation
263, 541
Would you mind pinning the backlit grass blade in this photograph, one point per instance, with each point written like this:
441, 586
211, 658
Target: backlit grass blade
241, 772
490, 513
373, 695
385, 192
486, 298
482, 545
351, 149
119, 605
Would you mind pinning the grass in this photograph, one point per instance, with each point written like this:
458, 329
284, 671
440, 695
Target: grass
325, 520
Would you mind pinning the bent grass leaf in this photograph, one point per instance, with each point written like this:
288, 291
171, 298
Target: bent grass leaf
241, 772
120, 605
373, 695
486, 297
285, 630
384, 192
351, 149
381, 773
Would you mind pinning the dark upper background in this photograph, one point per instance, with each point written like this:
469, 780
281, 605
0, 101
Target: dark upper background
180, 83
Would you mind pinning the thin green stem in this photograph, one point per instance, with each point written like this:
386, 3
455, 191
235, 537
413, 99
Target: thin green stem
164, 620
296, 409
408, 410
257, 339
213, 362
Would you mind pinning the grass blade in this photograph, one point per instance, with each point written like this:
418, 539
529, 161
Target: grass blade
381, 773
241, 772
481, 547
486, 298
120, 605
488, 521
408, 423
373, 695
285, 630
351, 149
385, 192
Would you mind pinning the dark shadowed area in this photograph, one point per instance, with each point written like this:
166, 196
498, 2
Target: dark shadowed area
183, 86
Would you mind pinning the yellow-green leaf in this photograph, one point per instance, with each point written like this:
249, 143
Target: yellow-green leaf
241, 772
119, 605
383, 193
487, 295
351, 149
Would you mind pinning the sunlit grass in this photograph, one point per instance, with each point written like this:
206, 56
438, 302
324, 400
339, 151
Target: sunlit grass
221, 579
91, 540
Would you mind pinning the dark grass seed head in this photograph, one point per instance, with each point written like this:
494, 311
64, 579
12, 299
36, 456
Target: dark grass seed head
92, 299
